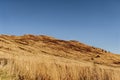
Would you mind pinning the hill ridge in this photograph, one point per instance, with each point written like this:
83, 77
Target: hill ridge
38, 44
41, 57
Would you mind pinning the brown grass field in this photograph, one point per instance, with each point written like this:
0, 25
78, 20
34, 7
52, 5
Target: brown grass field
31, 57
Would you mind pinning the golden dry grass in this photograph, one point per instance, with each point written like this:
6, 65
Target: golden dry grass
45, 67
44, 58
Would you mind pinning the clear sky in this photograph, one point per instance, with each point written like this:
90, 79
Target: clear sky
94, 22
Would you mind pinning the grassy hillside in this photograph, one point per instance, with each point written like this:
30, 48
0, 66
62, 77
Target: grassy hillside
31, 57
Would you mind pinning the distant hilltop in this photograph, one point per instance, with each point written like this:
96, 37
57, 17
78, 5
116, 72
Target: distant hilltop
42, 44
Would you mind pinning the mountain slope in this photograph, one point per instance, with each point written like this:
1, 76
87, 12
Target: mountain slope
40, 57
30, 44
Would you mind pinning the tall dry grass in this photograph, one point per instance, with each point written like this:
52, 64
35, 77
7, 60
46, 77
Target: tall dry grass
46, 67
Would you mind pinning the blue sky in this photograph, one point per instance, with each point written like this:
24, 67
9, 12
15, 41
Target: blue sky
94, 22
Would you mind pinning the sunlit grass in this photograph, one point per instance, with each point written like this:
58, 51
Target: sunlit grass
44, 67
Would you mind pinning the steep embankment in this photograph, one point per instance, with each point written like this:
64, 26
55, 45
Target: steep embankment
31, 57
